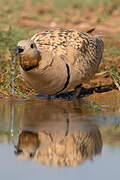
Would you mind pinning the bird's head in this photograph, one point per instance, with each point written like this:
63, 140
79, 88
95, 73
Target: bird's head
28, 54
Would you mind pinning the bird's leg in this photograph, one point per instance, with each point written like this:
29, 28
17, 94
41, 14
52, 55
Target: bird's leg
49, 97
77, 91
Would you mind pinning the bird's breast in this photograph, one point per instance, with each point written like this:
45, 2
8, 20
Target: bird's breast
49, 80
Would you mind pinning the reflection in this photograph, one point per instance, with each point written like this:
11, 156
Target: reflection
53, 133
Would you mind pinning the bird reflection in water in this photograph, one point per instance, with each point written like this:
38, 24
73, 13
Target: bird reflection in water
55, 134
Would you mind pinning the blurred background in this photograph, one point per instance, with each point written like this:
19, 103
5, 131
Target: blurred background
19, 19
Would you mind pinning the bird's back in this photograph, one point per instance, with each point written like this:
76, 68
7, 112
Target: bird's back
82, 51
58, 41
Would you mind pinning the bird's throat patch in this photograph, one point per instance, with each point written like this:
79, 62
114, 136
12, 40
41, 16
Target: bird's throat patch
28, 64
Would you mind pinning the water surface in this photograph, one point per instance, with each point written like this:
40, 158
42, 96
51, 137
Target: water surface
59, 139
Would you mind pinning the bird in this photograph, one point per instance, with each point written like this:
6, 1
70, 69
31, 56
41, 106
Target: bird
59, 60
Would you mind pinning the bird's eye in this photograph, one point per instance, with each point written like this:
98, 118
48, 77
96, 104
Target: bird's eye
32, 46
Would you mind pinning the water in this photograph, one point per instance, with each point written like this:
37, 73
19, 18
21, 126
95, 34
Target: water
58, 139
13, 76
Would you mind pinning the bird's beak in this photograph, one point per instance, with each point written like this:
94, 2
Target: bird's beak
18, 50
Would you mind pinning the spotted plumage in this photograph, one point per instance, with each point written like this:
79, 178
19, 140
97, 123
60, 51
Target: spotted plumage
59, 60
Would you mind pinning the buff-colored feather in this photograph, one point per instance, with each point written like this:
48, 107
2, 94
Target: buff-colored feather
58, 60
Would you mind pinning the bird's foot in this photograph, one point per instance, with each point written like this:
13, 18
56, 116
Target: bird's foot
77, 92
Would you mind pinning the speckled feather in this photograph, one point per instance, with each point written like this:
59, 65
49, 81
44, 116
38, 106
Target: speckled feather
82, 52
75, 46
58, 40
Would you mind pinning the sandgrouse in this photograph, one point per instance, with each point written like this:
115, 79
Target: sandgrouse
59, 60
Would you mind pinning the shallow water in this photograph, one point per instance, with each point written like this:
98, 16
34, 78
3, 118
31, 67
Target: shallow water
13, 75
59, 139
